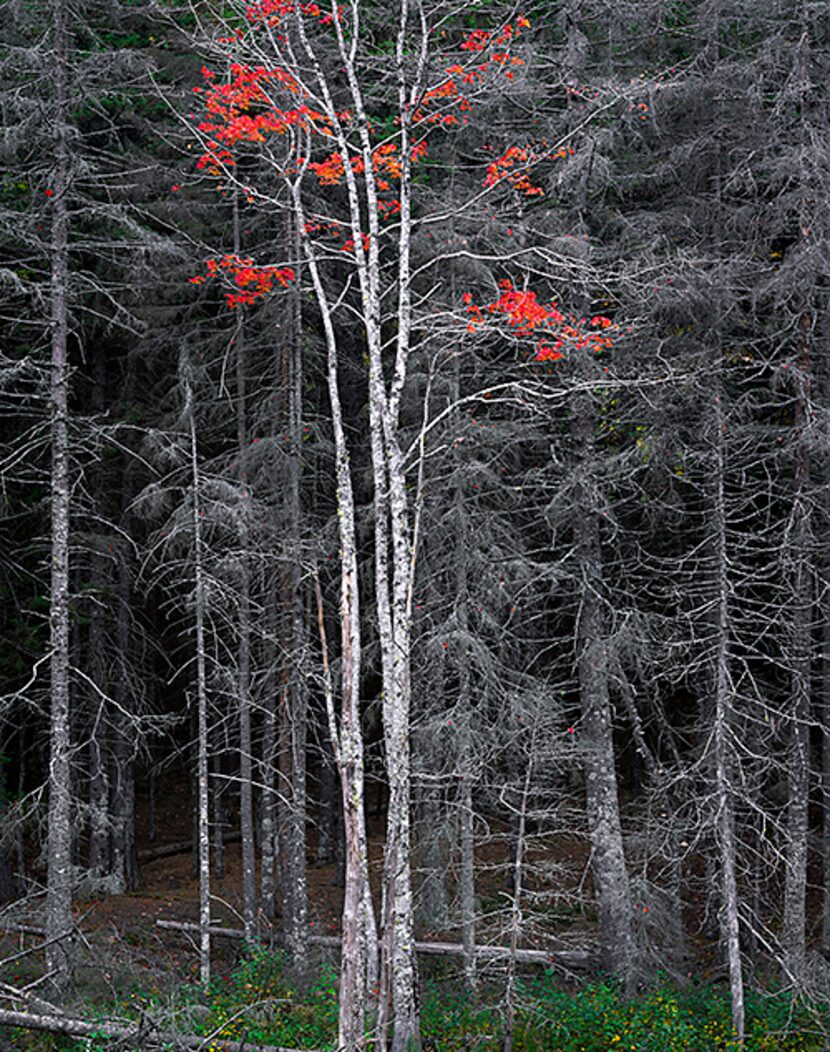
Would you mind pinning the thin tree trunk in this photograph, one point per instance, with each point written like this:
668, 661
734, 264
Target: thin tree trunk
468, 884
295, 899
825, 716
466, 759
719, 585
216, 765
723, 748
795, 885
516, 910
328, 814
97, 747
8, 883
125, 858
151, 805
433, 906
268, 804
59, 838
100, 855
20, 845
203, 808
246, 790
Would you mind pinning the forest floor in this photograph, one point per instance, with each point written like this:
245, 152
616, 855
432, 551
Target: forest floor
125, 948
127, 966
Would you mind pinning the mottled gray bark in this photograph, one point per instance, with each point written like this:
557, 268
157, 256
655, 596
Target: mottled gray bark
824, 702
467, 877
359, 940
611, 884
722, 731
59, 837
793, 934
822, 369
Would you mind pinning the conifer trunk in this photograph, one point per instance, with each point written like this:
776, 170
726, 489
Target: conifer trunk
611, 884
723, 715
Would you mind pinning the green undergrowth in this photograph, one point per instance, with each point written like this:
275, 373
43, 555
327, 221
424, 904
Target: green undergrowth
258, 1004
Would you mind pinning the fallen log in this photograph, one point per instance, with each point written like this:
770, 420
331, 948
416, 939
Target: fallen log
179, 847
22, 929
148, 1037
566, 958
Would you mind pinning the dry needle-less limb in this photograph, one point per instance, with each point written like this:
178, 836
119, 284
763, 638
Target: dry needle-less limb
147, 1035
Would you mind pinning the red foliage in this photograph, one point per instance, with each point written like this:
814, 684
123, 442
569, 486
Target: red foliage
555, 333
504, 168
349, 245
253, 282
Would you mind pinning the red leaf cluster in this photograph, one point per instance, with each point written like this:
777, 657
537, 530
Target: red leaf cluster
555, 333
508, 167
252, 281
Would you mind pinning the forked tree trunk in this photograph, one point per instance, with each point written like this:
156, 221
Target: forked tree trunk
392, 533
59, 840
359, 940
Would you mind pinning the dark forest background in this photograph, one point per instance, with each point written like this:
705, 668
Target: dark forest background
618, 734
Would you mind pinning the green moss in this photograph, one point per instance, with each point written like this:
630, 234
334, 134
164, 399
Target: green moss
258, 1003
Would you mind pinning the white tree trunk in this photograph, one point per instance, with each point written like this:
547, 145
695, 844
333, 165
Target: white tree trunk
59, 876
246, 759
203, 800
722, 731
359, 945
